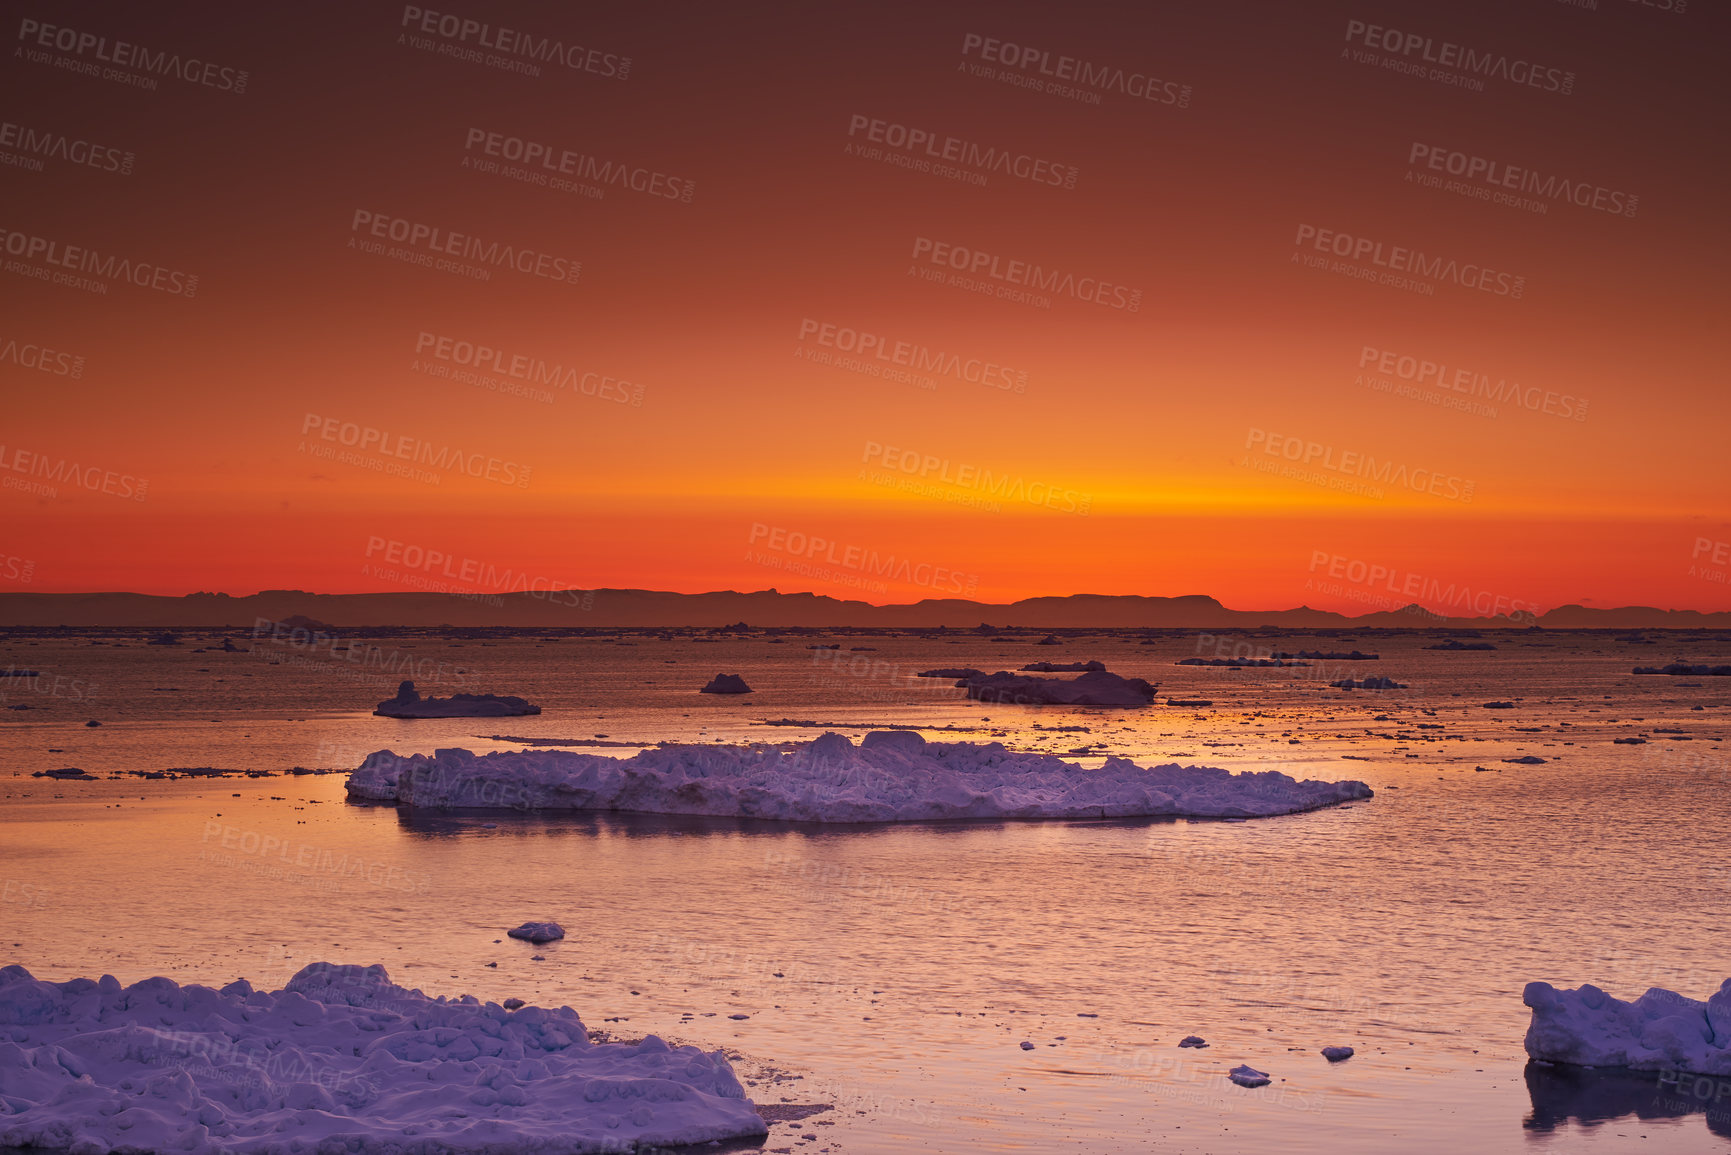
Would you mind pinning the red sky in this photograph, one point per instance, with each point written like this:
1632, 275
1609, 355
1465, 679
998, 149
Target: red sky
693, 431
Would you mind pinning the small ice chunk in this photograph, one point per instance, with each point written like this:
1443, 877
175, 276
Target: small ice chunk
1193, 1041
726, 684
1336, 1054
1027, 1046
1247, 1076
538, 932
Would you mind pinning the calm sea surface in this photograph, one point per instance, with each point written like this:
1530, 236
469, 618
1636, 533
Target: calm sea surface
894, 971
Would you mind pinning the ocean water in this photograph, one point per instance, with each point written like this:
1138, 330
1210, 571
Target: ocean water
892, 972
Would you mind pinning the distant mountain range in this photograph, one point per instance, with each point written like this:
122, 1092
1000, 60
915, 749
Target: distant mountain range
766, 608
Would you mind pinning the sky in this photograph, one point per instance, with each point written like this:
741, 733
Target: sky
1285, 304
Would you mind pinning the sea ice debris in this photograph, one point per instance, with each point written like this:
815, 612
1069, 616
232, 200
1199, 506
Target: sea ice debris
339, 1059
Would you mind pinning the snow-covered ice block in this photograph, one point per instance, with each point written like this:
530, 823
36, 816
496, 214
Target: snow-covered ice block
892, 776
1660, 1031
339, 1059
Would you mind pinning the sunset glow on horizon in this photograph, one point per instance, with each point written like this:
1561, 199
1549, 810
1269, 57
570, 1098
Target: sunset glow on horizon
1163, 303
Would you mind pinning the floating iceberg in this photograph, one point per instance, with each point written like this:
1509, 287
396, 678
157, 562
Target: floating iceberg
728, 684
409, 704
891, 776
1095, 688
340, 1059
1684, 669
1660, 1031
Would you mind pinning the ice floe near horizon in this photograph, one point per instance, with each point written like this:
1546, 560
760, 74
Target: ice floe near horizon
891, 776
1094, 688
409, 704
340, 1059
1660, 1031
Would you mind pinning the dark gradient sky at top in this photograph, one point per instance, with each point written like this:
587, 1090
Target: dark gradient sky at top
1146, 424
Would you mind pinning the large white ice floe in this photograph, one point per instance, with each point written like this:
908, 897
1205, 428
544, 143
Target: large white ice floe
1660, 1031
891, 776
340, 1059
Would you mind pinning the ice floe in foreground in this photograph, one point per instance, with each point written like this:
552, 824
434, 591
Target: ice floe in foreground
340, 1059
891, 776
1660, 1031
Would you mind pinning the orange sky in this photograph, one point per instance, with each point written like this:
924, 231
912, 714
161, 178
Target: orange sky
698, 421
